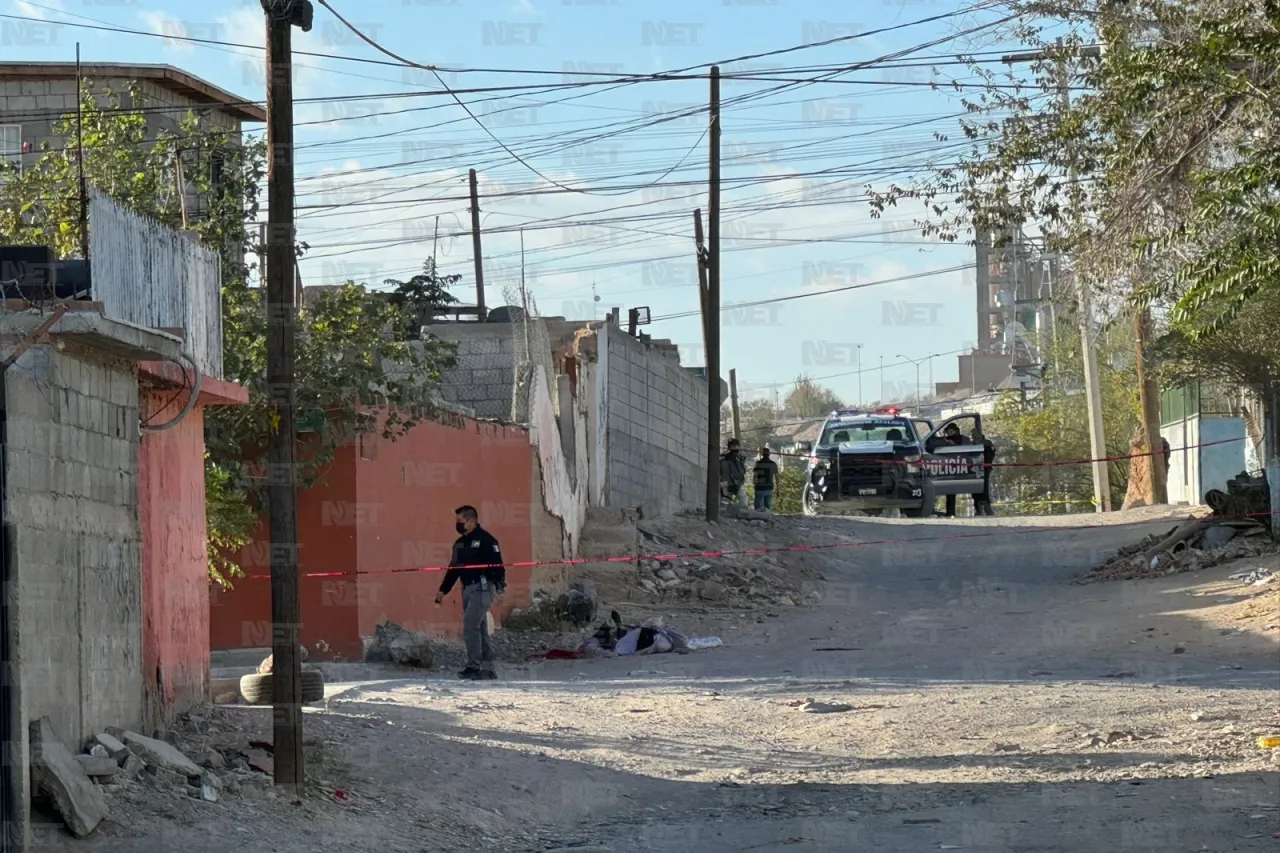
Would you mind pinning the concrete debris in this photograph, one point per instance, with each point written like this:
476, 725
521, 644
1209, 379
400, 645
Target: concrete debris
157, 753
394, 644
100, 767
131, 767
163, 777
578, 605
1215, 545
1217, 537
114, 746
56, 773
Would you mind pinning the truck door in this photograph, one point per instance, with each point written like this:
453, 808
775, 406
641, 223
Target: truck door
922, 427
955, 466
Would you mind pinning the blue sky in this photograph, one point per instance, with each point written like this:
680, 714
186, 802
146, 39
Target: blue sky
375, 173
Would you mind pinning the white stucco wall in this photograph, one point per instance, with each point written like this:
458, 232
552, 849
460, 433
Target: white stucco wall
564, 495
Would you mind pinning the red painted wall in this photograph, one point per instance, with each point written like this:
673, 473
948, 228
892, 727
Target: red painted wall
175, 576
175, 564
382, 508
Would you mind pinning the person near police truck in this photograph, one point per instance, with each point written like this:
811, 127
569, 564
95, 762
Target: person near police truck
477, 564
982, 502
764, 478
733, 473
951, 436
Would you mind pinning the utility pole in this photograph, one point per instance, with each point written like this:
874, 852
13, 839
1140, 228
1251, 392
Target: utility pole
1149, 398
475, 246
1092, 386
84, 190
1271, 444
713, 298
713, 436
733, 404
282, 496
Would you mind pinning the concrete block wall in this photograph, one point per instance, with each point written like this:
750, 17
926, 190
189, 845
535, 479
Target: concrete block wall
484, 378
36, 106
657, 431
71, 508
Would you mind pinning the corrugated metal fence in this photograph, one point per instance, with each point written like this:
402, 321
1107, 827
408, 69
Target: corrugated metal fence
153, 276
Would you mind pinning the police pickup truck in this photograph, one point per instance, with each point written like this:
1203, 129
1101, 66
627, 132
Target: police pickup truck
871, 462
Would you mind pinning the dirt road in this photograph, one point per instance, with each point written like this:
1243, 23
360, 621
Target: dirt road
994, 706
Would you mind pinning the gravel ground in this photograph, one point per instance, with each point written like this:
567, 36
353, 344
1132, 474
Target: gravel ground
983, 701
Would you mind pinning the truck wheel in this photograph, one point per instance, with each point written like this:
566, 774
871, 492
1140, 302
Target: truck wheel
810, 502
928, 503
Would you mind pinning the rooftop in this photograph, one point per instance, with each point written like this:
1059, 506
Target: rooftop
173, 79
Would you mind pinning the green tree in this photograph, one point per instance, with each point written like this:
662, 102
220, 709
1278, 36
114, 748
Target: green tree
356, 362
422, 298
1156, 178
808, 399
1053, 427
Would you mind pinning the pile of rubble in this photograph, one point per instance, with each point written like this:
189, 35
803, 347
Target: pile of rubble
753, 573
77, 785
1197, 544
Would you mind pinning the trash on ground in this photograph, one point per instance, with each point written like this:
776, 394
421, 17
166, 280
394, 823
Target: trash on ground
1269, 741
811, 706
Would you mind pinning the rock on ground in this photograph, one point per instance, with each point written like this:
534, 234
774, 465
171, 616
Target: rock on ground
55, 772
394, 644
264, 668
157, 753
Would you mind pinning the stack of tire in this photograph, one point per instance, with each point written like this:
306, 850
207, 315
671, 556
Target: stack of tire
256, 687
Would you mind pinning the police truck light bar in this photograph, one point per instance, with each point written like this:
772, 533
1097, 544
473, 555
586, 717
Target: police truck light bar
887, 410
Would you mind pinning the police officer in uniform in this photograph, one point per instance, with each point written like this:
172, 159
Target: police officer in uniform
477, 563
951, 436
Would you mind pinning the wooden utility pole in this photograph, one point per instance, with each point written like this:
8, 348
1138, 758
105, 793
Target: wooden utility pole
733, 404
282, 497
1149, 401
713, 300
475, 245
704, 302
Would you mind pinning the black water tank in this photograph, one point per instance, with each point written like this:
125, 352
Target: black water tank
28, 271
506, 314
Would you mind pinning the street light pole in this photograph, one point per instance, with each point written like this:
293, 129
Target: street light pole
861, 399
917, 362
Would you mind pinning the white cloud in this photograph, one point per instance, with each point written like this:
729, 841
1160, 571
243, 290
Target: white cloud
30, 10
167, 25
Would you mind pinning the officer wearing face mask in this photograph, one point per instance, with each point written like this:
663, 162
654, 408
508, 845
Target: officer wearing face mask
477, 562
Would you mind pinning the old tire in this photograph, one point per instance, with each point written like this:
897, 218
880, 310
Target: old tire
256, 688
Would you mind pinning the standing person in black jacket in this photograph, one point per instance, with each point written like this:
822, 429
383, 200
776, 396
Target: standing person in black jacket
477, 562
